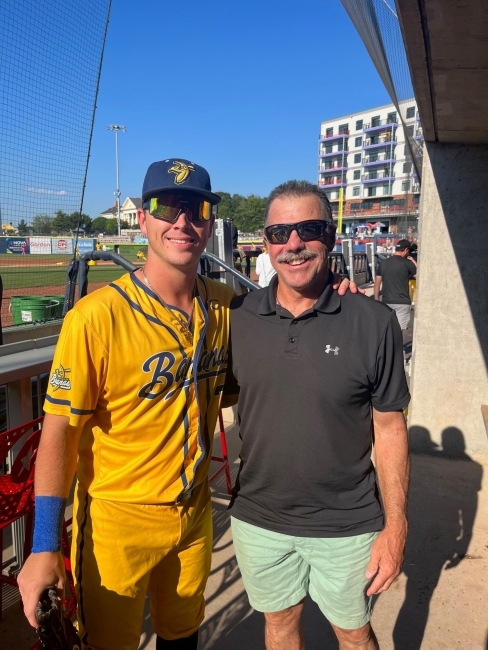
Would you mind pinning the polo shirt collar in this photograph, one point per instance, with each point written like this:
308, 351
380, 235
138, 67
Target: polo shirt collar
328, 302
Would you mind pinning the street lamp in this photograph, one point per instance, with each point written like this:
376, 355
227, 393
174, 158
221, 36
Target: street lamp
117, 128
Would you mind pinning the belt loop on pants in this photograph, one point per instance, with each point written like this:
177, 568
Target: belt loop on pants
185, 496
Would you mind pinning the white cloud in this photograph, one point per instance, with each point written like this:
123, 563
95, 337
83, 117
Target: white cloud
42, 190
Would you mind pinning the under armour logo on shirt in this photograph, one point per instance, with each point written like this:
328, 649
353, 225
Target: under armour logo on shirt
334, 350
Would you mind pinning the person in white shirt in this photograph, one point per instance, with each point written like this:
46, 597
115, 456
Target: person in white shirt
264, 270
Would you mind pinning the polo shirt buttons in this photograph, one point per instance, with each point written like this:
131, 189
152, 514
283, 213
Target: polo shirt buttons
292, 340
294, 322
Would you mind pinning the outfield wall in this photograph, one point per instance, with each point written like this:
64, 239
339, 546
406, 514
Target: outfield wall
44, 245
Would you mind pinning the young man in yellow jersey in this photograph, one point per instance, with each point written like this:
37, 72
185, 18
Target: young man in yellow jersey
132, 405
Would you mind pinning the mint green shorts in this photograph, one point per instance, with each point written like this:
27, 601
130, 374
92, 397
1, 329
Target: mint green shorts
279, 570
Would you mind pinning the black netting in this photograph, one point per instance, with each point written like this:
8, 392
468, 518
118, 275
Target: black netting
50, 61
379, 28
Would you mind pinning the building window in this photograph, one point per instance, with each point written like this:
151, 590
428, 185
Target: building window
407, 167
359, 125
375, 139
410, 112
328, 148
405, 186
357, 174
373, 173
416, 198
375, 121
386, 190
357, 158
329, 132
358, 142
371, 191
368, 205
355, 190
391, 117
410, 131
344, 128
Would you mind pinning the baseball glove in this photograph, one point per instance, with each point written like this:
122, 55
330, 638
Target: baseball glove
55, 631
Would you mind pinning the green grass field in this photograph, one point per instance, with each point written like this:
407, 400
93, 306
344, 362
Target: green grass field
46, 276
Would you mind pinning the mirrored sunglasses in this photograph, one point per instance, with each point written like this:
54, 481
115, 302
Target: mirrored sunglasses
169, 207
306, 230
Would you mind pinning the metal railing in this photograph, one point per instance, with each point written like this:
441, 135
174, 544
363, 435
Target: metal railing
331, 168
380, 157
333, 181
384, 139
379, 175
334, 135
379, 123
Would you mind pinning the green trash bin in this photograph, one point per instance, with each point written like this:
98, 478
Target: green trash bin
15, 309
58, 306
35, 308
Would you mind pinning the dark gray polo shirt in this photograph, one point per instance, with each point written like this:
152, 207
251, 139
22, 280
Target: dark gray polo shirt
307, 386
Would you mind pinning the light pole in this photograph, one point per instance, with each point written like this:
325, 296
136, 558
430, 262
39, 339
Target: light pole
117, 128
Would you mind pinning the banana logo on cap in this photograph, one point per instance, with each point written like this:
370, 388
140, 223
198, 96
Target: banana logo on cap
181, 171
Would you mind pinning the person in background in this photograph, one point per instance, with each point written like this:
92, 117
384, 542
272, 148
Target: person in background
264, 268
392, 279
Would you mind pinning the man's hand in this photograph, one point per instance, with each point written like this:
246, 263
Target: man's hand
40, 571
343, 285
386, 558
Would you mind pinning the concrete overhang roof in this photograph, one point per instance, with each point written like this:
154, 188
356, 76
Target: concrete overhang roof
447, 48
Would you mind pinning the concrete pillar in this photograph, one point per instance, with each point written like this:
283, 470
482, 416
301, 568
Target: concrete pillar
449, 379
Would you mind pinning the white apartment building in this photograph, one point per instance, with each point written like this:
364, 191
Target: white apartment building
365, 155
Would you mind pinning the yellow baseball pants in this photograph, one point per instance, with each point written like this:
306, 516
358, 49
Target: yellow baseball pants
121, 551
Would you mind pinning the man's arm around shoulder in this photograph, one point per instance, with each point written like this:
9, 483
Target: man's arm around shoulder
392, 468
55, 469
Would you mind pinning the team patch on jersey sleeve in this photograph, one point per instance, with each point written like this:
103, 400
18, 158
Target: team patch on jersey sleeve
59, 379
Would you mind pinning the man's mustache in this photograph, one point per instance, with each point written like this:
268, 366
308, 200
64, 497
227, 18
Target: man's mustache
301, 256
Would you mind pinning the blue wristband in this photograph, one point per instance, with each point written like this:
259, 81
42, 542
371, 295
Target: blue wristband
48, 524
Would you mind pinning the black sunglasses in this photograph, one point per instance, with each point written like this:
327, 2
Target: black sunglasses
307, 231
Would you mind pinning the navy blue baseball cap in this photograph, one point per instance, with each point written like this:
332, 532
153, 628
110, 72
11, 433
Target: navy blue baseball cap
176, 175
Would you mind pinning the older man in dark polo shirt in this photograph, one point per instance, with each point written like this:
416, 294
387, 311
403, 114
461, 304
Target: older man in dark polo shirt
321, 378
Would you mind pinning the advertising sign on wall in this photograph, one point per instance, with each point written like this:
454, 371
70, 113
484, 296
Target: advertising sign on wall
3, 245
40, 245
85, 245
62, 246
18, 245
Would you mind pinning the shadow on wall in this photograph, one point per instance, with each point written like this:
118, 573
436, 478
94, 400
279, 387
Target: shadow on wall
443, 501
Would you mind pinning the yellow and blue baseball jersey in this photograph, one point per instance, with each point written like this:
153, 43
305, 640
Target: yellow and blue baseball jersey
146, 397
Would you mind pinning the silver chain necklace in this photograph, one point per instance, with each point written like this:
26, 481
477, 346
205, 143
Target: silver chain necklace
185, 324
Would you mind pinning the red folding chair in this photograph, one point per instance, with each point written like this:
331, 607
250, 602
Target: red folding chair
17, 500
224, 460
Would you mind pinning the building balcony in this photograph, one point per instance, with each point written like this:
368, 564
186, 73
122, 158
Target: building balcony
380, 177
379, 125
382, 142
333, 168
334, 136
379, 159
333, 153
331, 183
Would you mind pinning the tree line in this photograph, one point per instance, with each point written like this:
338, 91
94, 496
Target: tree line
246, 211
63, 224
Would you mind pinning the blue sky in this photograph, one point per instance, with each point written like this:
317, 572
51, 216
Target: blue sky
240, 88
